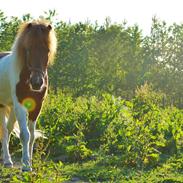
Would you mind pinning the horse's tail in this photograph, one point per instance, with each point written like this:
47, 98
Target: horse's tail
37, 133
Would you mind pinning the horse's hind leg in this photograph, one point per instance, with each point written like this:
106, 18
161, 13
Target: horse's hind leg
5, 138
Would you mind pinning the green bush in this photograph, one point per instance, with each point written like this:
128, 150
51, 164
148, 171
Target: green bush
141, 132
76, 127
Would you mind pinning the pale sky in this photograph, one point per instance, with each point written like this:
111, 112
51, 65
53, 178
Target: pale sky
133, 11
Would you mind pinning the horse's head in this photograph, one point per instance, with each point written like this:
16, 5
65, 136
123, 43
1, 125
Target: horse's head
37, 47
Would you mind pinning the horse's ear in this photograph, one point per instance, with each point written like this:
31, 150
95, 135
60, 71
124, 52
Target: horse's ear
29, 25
49, 27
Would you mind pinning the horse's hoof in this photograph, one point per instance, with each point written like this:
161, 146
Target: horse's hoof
8, 165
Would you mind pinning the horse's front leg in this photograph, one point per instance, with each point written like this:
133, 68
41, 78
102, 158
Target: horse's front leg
32, 126
21, 114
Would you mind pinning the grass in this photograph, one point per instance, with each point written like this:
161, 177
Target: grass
104, 169
97, 171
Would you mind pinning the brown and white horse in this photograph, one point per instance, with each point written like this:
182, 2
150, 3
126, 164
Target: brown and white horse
23, 86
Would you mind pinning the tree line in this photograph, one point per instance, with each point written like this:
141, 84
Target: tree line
111, 58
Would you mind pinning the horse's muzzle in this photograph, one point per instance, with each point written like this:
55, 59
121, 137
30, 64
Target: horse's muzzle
36, 83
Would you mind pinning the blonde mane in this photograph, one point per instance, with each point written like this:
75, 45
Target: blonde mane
39, 30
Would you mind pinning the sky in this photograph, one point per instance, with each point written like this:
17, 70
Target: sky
133, 11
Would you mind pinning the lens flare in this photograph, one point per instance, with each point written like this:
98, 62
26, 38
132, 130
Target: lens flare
29, 104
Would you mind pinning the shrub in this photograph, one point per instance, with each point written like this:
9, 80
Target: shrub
141, 132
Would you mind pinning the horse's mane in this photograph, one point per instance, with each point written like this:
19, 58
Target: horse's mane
38, 29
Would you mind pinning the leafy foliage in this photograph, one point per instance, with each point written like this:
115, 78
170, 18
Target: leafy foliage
141, 132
